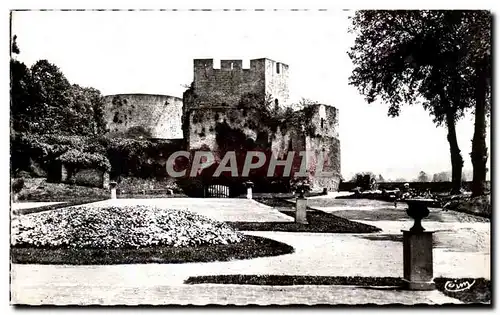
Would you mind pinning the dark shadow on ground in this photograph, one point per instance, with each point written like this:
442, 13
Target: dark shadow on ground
385, 211
445, 239
479, 292
383, 237
319, 222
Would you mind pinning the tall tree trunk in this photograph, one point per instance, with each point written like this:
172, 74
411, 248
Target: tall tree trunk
456, 158
479, 154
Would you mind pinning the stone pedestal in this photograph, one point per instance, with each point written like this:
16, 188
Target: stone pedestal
249, 186
417, 260
112, 186
249, 192
300, 210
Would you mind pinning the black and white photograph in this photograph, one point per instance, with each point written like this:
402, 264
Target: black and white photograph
242, 157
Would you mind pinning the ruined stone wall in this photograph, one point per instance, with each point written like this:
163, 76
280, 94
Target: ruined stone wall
216, 93
330, 149
203, 123
324, 141
156, 116
276, 78
226, 86
325, 120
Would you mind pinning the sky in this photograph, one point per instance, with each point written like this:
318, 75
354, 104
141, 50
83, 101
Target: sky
153, 51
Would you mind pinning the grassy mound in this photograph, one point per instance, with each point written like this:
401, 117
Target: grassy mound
249, 247
119, 227
480, 206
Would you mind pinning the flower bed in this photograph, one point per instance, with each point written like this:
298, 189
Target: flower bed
119, 227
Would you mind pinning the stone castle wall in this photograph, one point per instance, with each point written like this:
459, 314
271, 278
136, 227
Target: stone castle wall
227, 85
203, 124
216, 93
323, 140
155, 116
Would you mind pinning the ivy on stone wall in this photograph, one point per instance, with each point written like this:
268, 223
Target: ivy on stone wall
256, 113
79, 151
271, 116
139, 157
78, 159
121, 156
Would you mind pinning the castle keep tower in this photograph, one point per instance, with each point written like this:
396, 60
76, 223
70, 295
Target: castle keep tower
225, 86
215, 116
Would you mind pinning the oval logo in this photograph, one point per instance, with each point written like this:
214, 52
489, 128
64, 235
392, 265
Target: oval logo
458, 285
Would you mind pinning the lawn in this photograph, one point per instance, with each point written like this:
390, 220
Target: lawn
319, 221
249, 247
38, 189
479, 292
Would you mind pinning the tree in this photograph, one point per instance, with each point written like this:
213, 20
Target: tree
21, 96
441, 177
423, 177
354, 178
14, 48
44, 102
478, 36
86, 111
380, 178
409, 56
51, 99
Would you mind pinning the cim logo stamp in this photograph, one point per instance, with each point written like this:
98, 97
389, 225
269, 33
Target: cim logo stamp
458, 285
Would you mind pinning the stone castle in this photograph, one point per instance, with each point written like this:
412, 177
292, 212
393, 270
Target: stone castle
218, 106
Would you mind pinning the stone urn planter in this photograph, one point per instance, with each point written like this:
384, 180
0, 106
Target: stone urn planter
302, 188
417, 209
417, 248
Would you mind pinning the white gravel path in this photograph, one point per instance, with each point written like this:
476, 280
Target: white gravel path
222, 209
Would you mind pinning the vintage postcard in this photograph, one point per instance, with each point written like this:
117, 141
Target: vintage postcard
250, 157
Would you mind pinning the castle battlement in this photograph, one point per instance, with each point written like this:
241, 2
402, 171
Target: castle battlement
231, 81
237, 64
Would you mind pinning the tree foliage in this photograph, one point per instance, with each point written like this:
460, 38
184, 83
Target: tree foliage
44, 102
423, 177
53, 121
427, 57
14, 47
356, 176
441, 177
405, 57
20, 96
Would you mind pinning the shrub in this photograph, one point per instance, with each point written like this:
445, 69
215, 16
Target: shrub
79, 159
17, 185
23, 174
